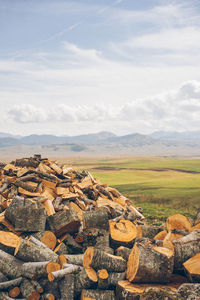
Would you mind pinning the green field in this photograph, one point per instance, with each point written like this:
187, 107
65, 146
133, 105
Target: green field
161, 186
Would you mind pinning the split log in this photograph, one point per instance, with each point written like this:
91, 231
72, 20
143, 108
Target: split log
87, 278
160, 235
122, 233
124, 252
98, 259
97, 294
66, 286
48, 205
25, 186
185, 248
28, 290
97, 219
30, 252
150, 264
64, 221
9, 265
189, 291
192, 268
61, 249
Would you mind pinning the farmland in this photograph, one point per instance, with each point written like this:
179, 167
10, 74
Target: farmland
161, 186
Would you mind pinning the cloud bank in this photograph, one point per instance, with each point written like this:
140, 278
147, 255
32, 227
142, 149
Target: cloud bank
180, 107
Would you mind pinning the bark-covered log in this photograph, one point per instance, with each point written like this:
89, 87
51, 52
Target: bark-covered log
25, 186
126, 291
28, 219
5, 296
30, 252
87, 278
3, 277
37, 286
61, 249
103, 279
28, 290
47, 296
96, 219
34, 270
72, 245
27, 162
155, 293
98, 238
66, 286
76, 259
124, 252
98, 294
185, 248
10, 211
150, 231
64, 221
189, 291
51, 287
61, 273
98, 259
150, 264
10, 284
192, 268
9, 265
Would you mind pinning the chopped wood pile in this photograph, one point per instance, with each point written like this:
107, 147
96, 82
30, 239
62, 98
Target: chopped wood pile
65, 235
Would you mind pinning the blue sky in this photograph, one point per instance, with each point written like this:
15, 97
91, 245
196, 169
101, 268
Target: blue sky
71, 67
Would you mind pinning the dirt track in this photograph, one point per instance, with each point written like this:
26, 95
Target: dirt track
151, 169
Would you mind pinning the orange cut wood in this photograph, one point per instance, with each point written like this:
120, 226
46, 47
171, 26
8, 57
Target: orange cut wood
192, 268
27, 193
178, 221
161, 235
49, 184
14, 292
48, 205
49, 239
52, 267
9, 239
122, 231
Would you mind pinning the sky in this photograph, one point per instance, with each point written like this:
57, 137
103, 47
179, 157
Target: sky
83, 66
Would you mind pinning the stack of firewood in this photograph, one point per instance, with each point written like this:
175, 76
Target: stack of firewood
64, 235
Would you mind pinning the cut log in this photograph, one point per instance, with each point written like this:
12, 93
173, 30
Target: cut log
87, 278
150, 264
97, 219
37, 286
149, 231
14, 292
122, 233
3, 277
5, 296
49, 239
185, 248
189, 291
52, 267
72, 245
192, 268
28, 290
29, 219
158, 293
76, 259
178, 221
127, 291
124, 252
34, 270
97, 295
30, 252
51, 287
66, 286
25, 186
65, 221
9, 239
48, 297
103, 279
9, 265
10, 284
98, 259
61, 273
161, 235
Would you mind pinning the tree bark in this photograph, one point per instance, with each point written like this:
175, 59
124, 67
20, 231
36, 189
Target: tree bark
98, 259
9, 265
28, 290
150, 264
96, 219
84, 279
97, 294
66, 286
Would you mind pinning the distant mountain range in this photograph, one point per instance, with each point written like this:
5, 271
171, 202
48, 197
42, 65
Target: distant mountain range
171, 143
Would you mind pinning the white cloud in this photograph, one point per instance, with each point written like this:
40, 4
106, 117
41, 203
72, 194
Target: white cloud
161, 111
